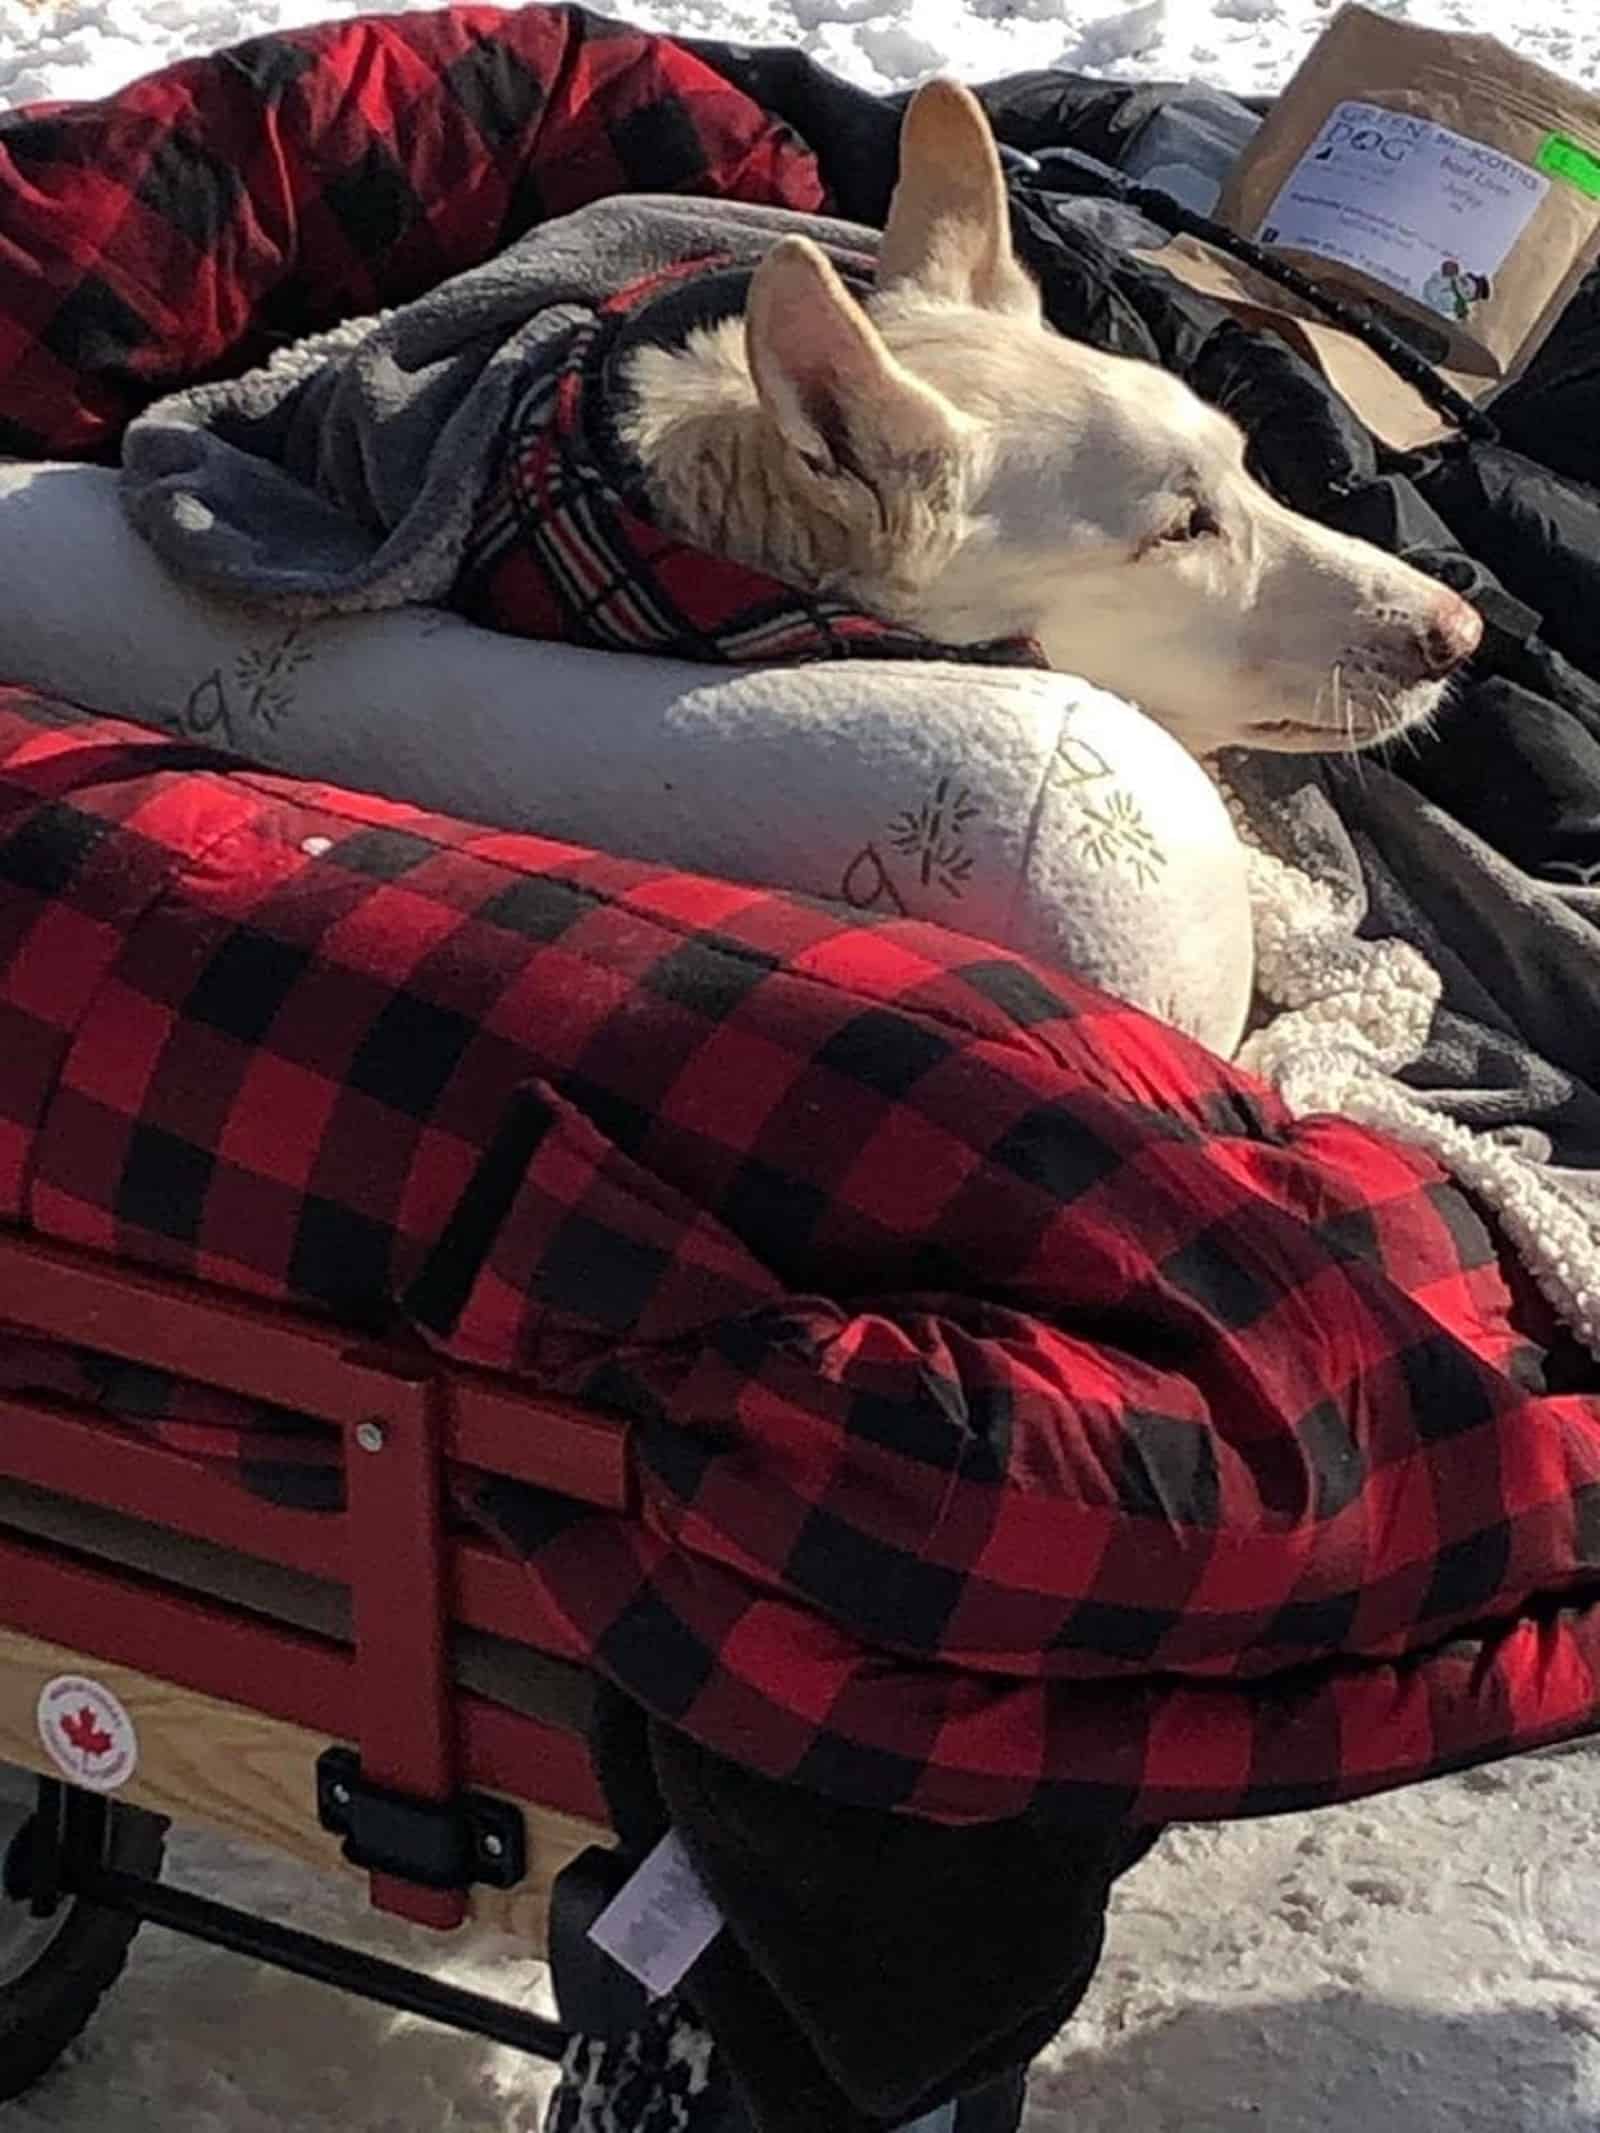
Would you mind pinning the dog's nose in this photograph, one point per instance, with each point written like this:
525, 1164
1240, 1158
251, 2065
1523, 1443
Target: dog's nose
1453, 635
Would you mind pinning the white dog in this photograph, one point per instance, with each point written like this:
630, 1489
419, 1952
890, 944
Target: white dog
943, 459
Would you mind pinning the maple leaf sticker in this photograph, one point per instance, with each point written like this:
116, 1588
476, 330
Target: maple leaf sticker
83, 1731
86, 1732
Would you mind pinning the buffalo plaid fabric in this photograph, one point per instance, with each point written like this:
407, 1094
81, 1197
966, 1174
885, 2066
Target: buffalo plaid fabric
291, 1459
565, 545
197, 220
1023, 1407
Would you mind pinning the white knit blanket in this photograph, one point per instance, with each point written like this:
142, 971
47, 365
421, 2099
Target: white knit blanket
1350, 1016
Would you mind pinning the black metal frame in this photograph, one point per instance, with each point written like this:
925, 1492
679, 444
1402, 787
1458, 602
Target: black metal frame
454, 1844
62, 1857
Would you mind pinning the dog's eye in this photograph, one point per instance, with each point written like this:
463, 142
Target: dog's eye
1196, 522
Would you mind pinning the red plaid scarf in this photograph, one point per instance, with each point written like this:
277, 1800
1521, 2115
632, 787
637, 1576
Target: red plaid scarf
566, 547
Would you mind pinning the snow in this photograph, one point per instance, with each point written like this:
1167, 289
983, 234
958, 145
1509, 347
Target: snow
1425, 1963
86, 47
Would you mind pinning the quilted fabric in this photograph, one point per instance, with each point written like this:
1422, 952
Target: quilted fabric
1023, 1406
217, 209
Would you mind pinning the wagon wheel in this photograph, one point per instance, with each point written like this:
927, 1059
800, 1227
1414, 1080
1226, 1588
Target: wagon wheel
54, 1971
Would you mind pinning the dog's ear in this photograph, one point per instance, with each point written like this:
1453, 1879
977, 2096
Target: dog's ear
949, 222
829, 384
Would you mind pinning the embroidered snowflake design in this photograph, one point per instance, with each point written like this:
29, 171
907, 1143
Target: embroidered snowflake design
934, 835
1113, 831
266, 674
263, 691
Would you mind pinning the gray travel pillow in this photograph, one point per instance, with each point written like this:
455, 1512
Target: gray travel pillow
1024, 808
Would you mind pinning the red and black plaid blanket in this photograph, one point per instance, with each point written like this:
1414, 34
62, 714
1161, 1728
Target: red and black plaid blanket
1023, 1405
208, 214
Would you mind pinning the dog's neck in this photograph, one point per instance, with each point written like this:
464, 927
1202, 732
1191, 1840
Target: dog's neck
711, 467
645, 507
719, 475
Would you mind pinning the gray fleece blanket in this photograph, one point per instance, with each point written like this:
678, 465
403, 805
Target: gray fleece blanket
1408, 975
346, 475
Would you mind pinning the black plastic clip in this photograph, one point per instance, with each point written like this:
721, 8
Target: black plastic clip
466, 1842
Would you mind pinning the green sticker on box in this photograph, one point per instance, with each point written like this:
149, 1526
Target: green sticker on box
1566, 158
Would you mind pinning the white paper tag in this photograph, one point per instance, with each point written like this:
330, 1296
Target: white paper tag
941, 2120
1423, 210
661, 1921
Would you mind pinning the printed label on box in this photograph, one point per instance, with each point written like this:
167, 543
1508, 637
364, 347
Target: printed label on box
1425, 211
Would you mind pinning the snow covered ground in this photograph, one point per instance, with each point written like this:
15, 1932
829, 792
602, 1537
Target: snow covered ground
1429, 1963
85, 47
1426, 1964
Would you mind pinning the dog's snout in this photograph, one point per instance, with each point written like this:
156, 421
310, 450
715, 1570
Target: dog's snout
1451, 637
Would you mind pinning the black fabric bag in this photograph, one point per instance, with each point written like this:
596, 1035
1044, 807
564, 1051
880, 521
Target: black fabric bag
873, 1972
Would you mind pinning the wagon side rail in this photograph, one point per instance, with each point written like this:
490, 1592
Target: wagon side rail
417, 1745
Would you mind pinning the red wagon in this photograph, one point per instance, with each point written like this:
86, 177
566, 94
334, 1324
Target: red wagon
970, 1397
360, 1687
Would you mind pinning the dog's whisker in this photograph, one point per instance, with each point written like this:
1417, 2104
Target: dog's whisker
1419, 730
1355, 738
1343, 709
